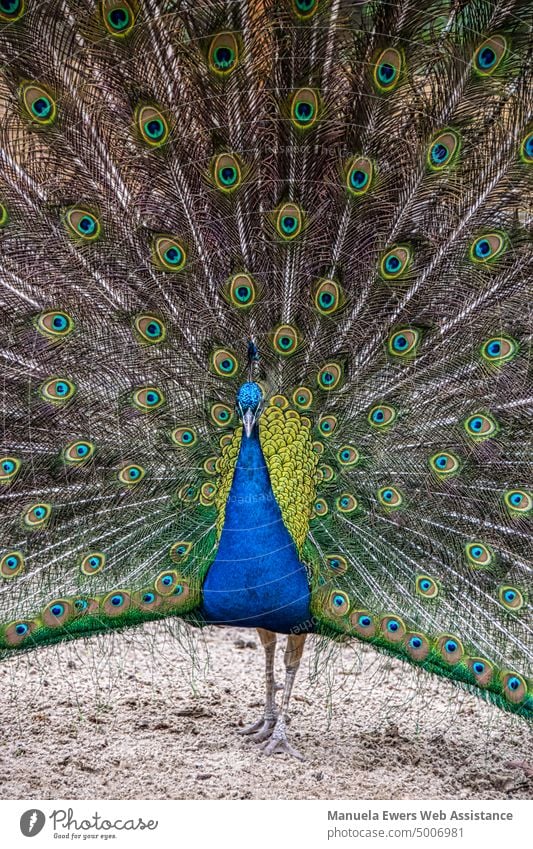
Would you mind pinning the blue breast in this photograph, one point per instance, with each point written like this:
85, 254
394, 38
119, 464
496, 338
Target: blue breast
256, 579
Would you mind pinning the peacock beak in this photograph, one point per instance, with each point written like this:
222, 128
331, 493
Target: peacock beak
248, 421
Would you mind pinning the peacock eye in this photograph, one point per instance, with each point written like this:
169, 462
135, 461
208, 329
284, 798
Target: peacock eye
305, 9
426, 586
393, 628
514, 687
285, 340
223, 53
10, 10
320, 507
207, 493
526, 148
224, 363
450, 648
221, 415
499, 349
149, 329
82, 224
179, 551
54, 324
346, 503
444, 464
381, 415
480, 426
518, 501
511, 598
347, 455
9, 468
479, 555
327, 425
37, 516
443, 150
77, 453
339, 603
302, 397
241, 291
148, 398
289, 221
187, 493
481, 669
404, 342
118, 17
337, 563
359, 176
226, 172
11, 564
131, 474
387, 70
487, 248
395, 262
327, 297
329, 376
58, 390
186, 437
304, 108
389, 496
489, 55
152, 125
116, 603
168, 254
92, 563
39, 104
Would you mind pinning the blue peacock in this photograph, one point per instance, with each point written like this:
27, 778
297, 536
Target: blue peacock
265, 346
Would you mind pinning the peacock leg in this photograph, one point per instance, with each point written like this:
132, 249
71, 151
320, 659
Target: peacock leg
278, 739
262, 729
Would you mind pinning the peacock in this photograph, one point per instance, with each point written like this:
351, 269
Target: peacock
265, 328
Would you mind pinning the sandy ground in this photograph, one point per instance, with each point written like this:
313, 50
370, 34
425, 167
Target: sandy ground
151, 716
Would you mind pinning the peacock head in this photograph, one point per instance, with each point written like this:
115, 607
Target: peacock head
249, 405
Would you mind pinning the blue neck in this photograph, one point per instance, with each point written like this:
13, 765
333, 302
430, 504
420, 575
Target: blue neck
256, 579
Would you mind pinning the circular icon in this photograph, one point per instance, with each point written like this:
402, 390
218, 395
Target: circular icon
32, 822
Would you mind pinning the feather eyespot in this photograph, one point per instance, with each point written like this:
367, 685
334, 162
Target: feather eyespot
381, 415
92, 563
208, 491
337, 563
180, 551
518, 502
396, 262
444, 464
404, 343
363, 623
481, 669
82, 224
285, 340
346, 503
185, 437
387, 70
359, 176
327, 297
17, 632
55, 324
487, 248
226, 172
338, 603
224, 363
329, 376
450, 648
514, 687
37, 516
210, 465
417, 646
393, 629
426, 587
148, 398
526, 148
57, 613
9, 469
131, 474
347, 455
39, 104
302, 397
221, 415
443, 150
223, 54
327, 425
168, 254
320, 507
490, 54
305, 9
116, 603
118, 17
289, 221
12, 10
389, 496
480, 426
511, 598
12, 564
58, 390
479, 555
241, 291
499, 349
304, 108
187, 493
150, 329
79, 452
167, 582
152, 125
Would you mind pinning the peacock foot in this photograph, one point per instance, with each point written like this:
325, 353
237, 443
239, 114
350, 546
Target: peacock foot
260, 730
278, 742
